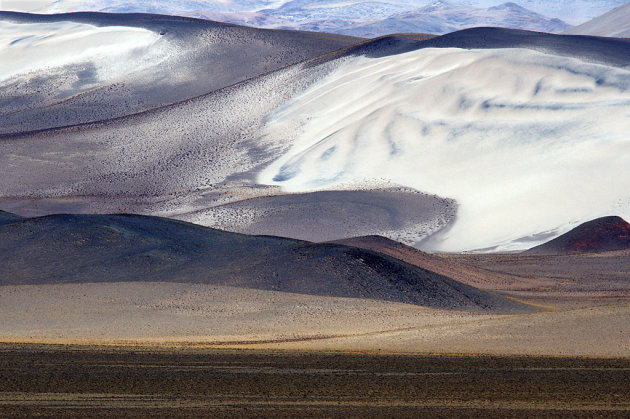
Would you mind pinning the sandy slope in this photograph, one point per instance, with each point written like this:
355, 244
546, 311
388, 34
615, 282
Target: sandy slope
446, 265
399, 213
114, 51
184, 160
615, 23
194, 314
602, 331
61, 249
69, 69
177, 292
508, 133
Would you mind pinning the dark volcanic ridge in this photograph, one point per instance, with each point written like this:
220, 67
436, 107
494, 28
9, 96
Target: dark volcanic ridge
124, 248
8, 218
441, 264
599, 235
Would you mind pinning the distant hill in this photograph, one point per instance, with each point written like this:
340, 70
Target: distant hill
373, 19
602, 234
443, 17
615, 23
441, 264
574, 12
368, 18
124, 248
8, 218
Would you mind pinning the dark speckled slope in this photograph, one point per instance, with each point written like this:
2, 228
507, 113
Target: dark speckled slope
610, 51
115, 248
8, 218
205, 56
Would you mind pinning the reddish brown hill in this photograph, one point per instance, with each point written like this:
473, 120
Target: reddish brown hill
442, 264
599, 235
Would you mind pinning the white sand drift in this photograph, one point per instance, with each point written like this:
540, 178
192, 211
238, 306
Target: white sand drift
527, 143
112, 50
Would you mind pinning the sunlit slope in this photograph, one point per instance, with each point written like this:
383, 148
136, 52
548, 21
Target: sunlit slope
112, 50
69, 69
526, 142
615, 23
526, 131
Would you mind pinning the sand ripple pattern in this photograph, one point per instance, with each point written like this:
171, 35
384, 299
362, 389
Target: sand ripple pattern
526, 142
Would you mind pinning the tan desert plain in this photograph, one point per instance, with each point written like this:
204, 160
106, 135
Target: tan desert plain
545, 332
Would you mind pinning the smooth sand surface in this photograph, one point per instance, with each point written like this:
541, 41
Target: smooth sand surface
202, 315
156, 312
598, 331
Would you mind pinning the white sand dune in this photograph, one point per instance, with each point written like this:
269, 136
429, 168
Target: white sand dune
113, 51
525, 142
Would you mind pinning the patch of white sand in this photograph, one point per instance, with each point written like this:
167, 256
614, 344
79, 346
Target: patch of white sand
111, 51
525, 142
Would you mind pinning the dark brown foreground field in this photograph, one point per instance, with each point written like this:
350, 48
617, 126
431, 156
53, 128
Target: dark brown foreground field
58, 381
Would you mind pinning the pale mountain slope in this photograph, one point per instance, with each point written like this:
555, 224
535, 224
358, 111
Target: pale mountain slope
363, 18
491, 143
444, 17
196, 159
60, 70
615, 23
112, 51
574, 12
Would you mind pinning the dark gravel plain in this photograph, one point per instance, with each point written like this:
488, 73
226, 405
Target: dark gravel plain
66, 381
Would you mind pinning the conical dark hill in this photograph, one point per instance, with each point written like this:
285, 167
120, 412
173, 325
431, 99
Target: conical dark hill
123, 248
599, 235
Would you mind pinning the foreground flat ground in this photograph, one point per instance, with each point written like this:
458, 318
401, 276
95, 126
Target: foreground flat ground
195, 315
139, 349
83, 381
